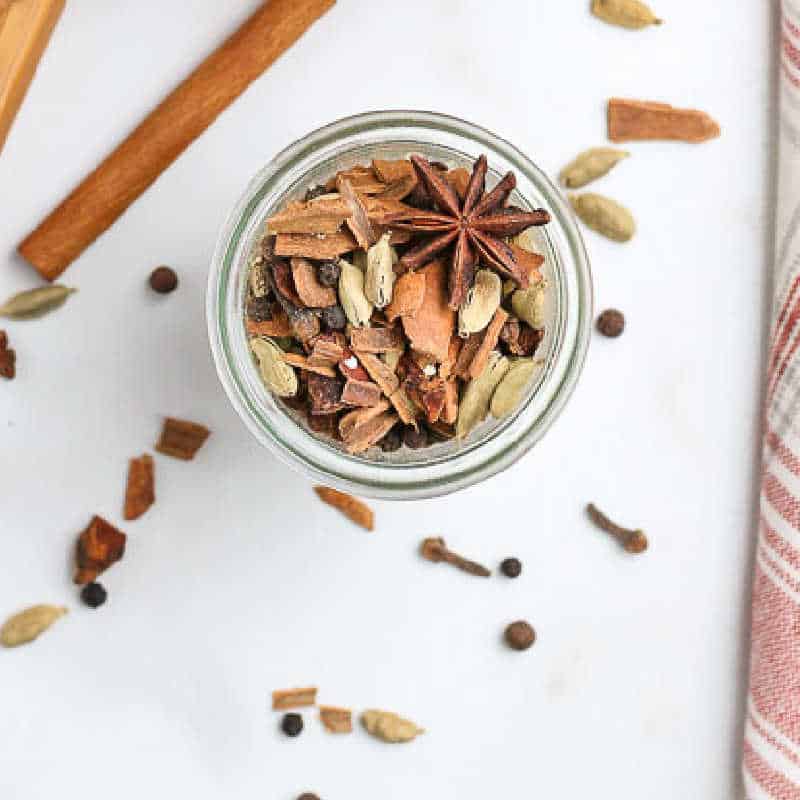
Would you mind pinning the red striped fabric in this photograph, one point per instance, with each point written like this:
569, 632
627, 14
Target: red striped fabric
771, 751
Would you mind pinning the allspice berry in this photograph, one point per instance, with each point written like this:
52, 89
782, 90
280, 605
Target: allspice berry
611, 323
511, 567
163, 280
520, 635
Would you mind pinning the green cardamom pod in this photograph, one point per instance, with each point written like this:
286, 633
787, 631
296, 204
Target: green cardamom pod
627, 13
35, 302
590, 165
604, 216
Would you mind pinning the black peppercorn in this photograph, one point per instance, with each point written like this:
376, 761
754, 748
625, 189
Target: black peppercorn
333, 318
611, 323
520, 635
328, 273
94, 595
391, 441
292, 724
415, 439
511, 567
163, 280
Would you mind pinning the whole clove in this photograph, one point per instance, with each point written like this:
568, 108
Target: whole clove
634, 541
434, 549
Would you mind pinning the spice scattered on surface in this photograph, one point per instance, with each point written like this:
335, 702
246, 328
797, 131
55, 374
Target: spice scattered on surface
590, 165
611, 323
308, 796
434, 549
163, 280
520, 635
350, 506
604, 215
293, 698
631, 14
8, 358
181, 439
511, 567
36, 302
94, 594
29, 624
390, 727
336, 720
140, 491
292, 724
99, 546
631, 120
634, 541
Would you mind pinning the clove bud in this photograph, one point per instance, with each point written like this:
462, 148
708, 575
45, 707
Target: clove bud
634, 541
434, 549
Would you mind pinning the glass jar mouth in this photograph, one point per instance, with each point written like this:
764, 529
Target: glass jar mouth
450, 469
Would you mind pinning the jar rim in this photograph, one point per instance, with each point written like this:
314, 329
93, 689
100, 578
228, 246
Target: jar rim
305, 452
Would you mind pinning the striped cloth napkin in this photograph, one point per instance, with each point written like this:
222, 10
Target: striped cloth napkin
772, 732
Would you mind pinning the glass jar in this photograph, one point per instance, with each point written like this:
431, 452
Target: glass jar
449, 465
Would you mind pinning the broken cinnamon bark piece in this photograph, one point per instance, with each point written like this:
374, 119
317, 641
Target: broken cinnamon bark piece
362, 179
393, 171
8, 358
431, 328
321, 216
490, 336
459, 180
528, 261
326, 353
325, 394
358, 221
407, 297
324, 424
352, 420
633, 120
293, 698
99, 546
311, 292
361, 393
336, 720
469, 348
351, 507
366, 435
379, 372
181, 439
303, 362
140, 490
405, 408
449, 413
310, 245
377, 340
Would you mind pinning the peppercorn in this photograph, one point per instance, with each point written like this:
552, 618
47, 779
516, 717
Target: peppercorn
94, 595
333, 318
520, 635
611, 323
391, 441
328, 273
415, 438
511, 567
163, 280
292, 724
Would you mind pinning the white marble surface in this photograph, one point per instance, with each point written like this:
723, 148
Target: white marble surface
238, 582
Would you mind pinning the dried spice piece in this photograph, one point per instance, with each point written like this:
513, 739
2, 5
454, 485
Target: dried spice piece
466, 355
278, 325
328, 274
509, 392
293, 698
94, 595
520, 635
370, 433
389, 727
511, 567
459, 179
324, 424
277, 375
393, 171
304, 363
362, 179
140, 492
415, 438
528, 261
181, 439
385, 378
336, 720
358, 221
323, 215
310, 290
434, 549
409, 293
163, 280
35, 302
405, 409
361, 393
353, 420
631, 14
292, 724
529, 305
431, 328
480, 304
449, 413
478, 394
377, 340
632, 120
590, 165
520, 338
308, 796
357, 307
28, 625
604, 215
352, 508
8, 358
488, 343
326, 352
379, 278
312, 245
99, 546
611, 323
634, 541
325, 394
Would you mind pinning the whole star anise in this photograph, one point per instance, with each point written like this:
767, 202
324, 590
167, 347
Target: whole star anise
475, 227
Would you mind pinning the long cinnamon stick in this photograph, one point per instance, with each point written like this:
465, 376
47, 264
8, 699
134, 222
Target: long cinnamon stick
105, 194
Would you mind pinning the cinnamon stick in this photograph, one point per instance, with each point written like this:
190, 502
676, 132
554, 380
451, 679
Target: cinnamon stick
105, 194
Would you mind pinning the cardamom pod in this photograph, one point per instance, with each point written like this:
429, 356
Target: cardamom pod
604, 215
379, 279
29, 624
508, 394
357, 308
528, 304
259, 287
475, 402
590, 165
482, 300
35, 302
278, 376
627, 13
389, 726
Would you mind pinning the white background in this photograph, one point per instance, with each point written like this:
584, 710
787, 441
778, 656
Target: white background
238, 581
